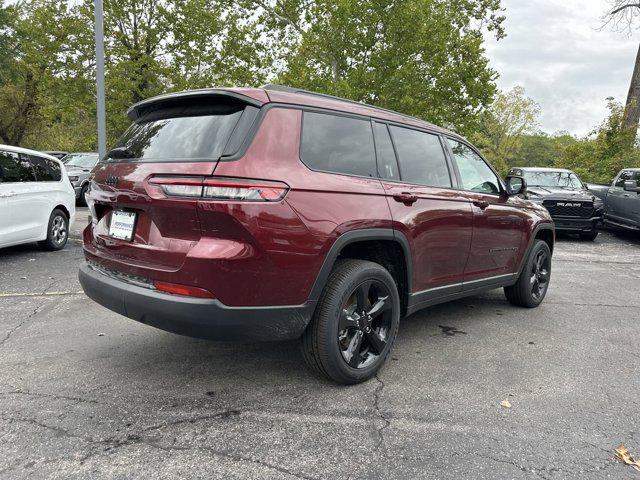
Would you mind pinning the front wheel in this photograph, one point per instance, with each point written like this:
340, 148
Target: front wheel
355, 322
533, 283
57, 231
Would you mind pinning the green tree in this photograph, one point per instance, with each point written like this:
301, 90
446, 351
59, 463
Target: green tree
41, 78
504, 125
424, 58
610, 148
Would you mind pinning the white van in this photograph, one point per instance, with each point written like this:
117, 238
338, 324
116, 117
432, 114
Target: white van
37, 200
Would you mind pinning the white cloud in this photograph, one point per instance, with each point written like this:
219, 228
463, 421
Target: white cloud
556, 50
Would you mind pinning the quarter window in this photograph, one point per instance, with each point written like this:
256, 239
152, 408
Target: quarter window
422, 160
337, 144
15, 169
46, 170
475, 174
387, 164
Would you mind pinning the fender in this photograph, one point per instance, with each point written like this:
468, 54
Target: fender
359, 236
538, 228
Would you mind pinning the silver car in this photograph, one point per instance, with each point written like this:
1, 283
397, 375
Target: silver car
79, 166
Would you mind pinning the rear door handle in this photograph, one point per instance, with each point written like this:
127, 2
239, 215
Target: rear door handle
482, 204
406, 198
12, 194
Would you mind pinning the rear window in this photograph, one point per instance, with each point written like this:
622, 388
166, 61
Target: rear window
13, 168
179, 134
337, 144
46, 170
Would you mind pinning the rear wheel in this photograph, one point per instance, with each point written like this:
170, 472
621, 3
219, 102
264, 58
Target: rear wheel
57, 231
590, 236
533, 283
355, 322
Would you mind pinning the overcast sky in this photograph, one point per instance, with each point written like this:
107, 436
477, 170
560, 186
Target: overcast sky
555, 50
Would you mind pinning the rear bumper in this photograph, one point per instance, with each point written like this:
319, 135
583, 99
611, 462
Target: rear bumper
569, 224
195, 317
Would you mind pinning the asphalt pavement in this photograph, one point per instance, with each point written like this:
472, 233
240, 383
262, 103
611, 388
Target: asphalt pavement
86, 393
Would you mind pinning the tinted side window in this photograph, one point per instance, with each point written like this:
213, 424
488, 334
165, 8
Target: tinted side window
46, 170
387, 164
337, 144
627, 175
15, 169
476, 175
421, 157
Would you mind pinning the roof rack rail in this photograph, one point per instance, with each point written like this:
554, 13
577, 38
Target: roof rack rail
283, 88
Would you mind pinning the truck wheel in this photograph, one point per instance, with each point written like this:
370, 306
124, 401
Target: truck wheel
533, 283
83, 195
590, 236
355, 322
57, 231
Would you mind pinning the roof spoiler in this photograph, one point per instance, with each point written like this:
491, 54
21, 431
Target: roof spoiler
144, 107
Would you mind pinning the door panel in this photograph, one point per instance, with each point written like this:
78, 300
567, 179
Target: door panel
497, 237
498, 222
438, 225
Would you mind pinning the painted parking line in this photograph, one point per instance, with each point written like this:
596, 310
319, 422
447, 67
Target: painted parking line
39, 294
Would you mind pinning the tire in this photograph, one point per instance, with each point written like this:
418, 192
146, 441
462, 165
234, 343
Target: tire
532, 285
82, 200
590, 236
339, 342
57, 231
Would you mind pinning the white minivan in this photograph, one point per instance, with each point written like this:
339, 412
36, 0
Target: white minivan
37, 201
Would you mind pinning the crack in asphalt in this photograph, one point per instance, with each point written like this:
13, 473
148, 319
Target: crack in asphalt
48, 395
383, 417
14, 329
534, 470
111, 444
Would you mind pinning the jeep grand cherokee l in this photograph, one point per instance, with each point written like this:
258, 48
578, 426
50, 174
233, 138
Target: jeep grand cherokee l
274, 213
572, 206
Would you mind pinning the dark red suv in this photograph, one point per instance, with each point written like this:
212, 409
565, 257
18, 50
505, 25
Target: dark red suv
275, 213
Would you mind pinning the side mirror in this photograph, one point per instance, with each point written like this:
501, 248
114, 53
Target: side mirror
631, 186
516, 185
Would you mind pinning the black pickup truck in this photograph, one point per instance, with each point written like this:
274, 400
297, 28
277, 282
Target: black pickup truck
572, 206
621, 199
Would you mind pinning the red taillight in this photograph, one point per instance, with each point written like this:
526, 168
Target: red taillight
221, 188
186, 290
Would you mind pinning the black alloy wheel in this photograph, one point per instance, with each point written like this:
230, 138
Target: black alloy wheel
354, 324
365, 323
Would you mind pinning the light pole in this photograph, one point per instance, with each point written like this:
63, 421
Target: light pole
99, 34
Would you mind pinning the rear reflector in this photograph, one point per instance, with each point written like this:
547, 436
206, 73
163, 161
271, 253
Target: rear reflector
221, 188
185, 290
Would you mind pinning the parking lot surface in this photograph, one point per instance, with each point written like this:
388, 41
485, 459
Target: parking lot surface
86, 393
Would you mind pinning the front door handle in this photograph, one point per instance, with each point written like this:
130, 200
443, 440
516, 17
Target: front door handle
12, 194
482, 204
406, 198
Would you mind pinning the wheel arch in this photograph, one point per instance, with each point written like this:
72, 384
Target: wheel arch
64, 209
542, 231
382, 246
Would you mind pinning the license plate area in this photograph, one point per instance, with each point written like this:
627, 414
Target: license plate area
122, 224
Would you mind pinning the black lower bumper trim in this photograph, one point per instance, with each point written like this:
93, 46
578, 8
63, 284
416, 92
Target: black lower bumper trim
568, 224
195, 317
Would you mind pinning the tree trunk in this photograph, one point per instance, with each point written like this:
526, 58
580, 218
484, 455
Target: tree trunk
632, 108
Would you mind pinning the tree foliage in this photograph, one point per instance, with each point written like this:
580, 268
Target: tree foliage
503, 127
422, 57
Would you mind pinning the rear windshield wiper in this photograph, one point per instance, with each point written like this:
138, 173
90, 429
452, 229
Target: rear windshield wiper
120, 152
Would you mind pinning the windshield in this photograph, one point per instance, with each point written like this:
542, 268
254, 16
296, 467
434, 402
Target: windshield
552, 179
82, 160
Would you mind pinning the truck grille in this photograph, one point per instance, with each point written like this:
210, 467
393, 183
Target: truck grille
569, 208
